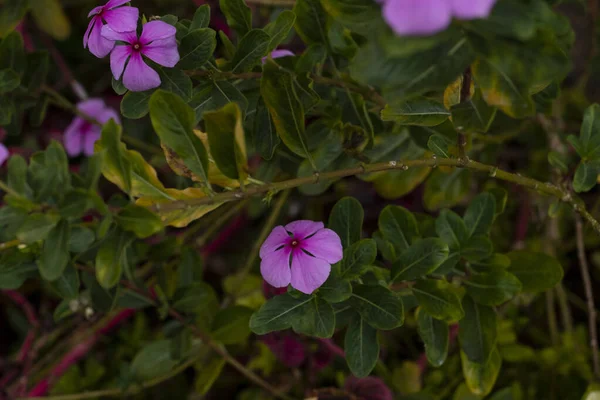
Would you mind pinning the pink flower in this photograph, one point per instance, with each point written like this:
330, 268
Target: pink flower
157, 42
4, 153
278, 54
426, 17
369, 388
81, 135
301, 253
122, 19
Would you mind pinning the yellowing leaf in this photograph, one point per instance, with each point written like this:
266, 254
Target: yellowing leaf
50, 17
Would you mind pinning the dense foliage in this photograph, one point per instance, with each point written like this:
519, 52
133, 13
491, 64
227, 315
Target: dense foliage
452, 157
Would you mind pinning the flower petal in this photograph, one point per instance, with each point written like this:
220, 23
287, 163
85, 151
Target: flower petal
98, 45
275, 268
138, 76
115, 3
4, 154
95, 11
156, 30
276, 239
278, 54
73, 136
470, 9
107, 114
111, 34
308, 273
89, 139
118, 58
122, 19
417, 17
303, 228
325, 244
92, 107
163, 52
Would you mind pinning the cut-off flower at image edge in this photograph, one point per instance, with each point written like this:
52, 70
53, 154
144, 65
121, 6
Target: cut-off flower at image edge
300, 254
120, 19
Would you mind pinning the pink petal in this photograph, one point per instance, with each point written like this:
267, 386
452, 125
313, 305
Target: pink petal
278, 54
275, 268
276, 239
308, 273
95, 11
122, 19
118, 58
99, 46
417, 17
163, 52
156, 30
87, 32
115, 3
325, 244
92, 107
73, 136
471, 9
303, 228
89, 140
138, 76
4, 153
107, 115
111, 34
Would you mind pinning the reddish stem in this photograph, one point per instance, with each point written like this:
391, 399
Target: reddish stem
25, 305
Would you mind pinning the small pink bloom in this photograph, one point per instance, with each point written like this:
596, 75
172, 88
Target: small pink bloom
121, 19
157, 42
286, 347
426, 17
4, 154
81, 135
369, 388
301, 253
278, 54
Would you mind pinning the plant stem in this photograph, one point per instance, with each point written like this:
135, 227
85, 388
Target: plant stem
589, 295
465, 95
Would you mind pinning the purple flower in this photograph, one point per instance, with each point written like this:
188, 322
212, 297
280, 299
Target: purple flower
4, 153
369, 388
81, 135
122, 19
157, 42
301, 253
426, 17
278, 54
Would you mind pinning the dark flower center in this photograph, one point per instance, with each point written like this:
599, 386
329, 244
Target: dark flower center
137, 46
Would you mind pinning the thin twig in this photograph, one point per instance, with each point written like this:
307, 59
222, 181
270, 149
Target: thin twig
465, 95
589, 295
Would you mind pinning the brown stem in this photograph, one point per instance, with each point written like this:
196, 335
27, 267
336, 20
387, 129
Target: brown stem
465, 95
589, 295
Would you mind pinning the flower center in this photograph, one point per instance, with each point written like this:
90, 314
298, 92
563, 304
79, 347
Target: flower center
295, 243
137, 46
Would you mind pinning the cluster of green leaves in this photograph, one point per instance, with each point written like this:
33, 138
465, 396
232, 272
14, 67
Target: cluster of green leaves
446, 268
587, 146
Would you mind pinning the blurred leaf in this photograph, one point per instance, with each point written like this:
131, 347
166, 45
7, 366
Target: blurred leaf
481, 377
190, 269
12, 54
139, 220
208, 374
446, 190
111, 258
67, 285
37, 70
335, 289
176, 81
55, 254
265, 136
12, 13
238, 15
197, 298
130, 299
230, 325
399, 226
378, 306
201, 18
473, 115
536, 271
416, 111
311, 20
317, 319
81, 238
153, 360
135, 105
492, 288
434, 334
50, 17
451, 229
9, 80
197, 48
278, 313
478, 330
279, 29
361, 347
586, 176
251, 49
359, 15
357, 258
438, 300
480, 214
36, 227
346, 219
115, 166
423, 257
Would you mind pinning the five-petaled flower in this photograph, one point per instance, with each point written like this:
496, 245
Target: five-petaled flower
426, 17
81, 134
301, 253
121, 19
157, 42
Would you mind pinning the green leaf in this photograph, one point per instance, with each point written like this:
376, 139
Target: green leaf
230, 325
492, 288
251, 49
360, 16
238, 15
67, 285
477, 248
278, 313
9, 80
417, 111
279, 29
346, 219
335, 289
480, 214
377, 305
357, 258
208, 374
279, 93
451, 229
228, 46
153, 360
536, 271
423, 257
111, 258
81, 238
130, 299
434, 334
361, 347
589, 134
398, 226
227, 141
224, 93
49, 173
115, 166
118, 87
438, 300
12, 13
190, 269
15, 269
586, 176
473, 115
139, 220
446, 190
265, 136
196, 48
38, 113
62, 310
37, 70
50, 17
173, 121
477, 330
311, 20
135, 105
201, 18
17, 176
55, 254
197, 298
317, 319
36, 227
176, 81
481, 377
440, 145
12, 54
